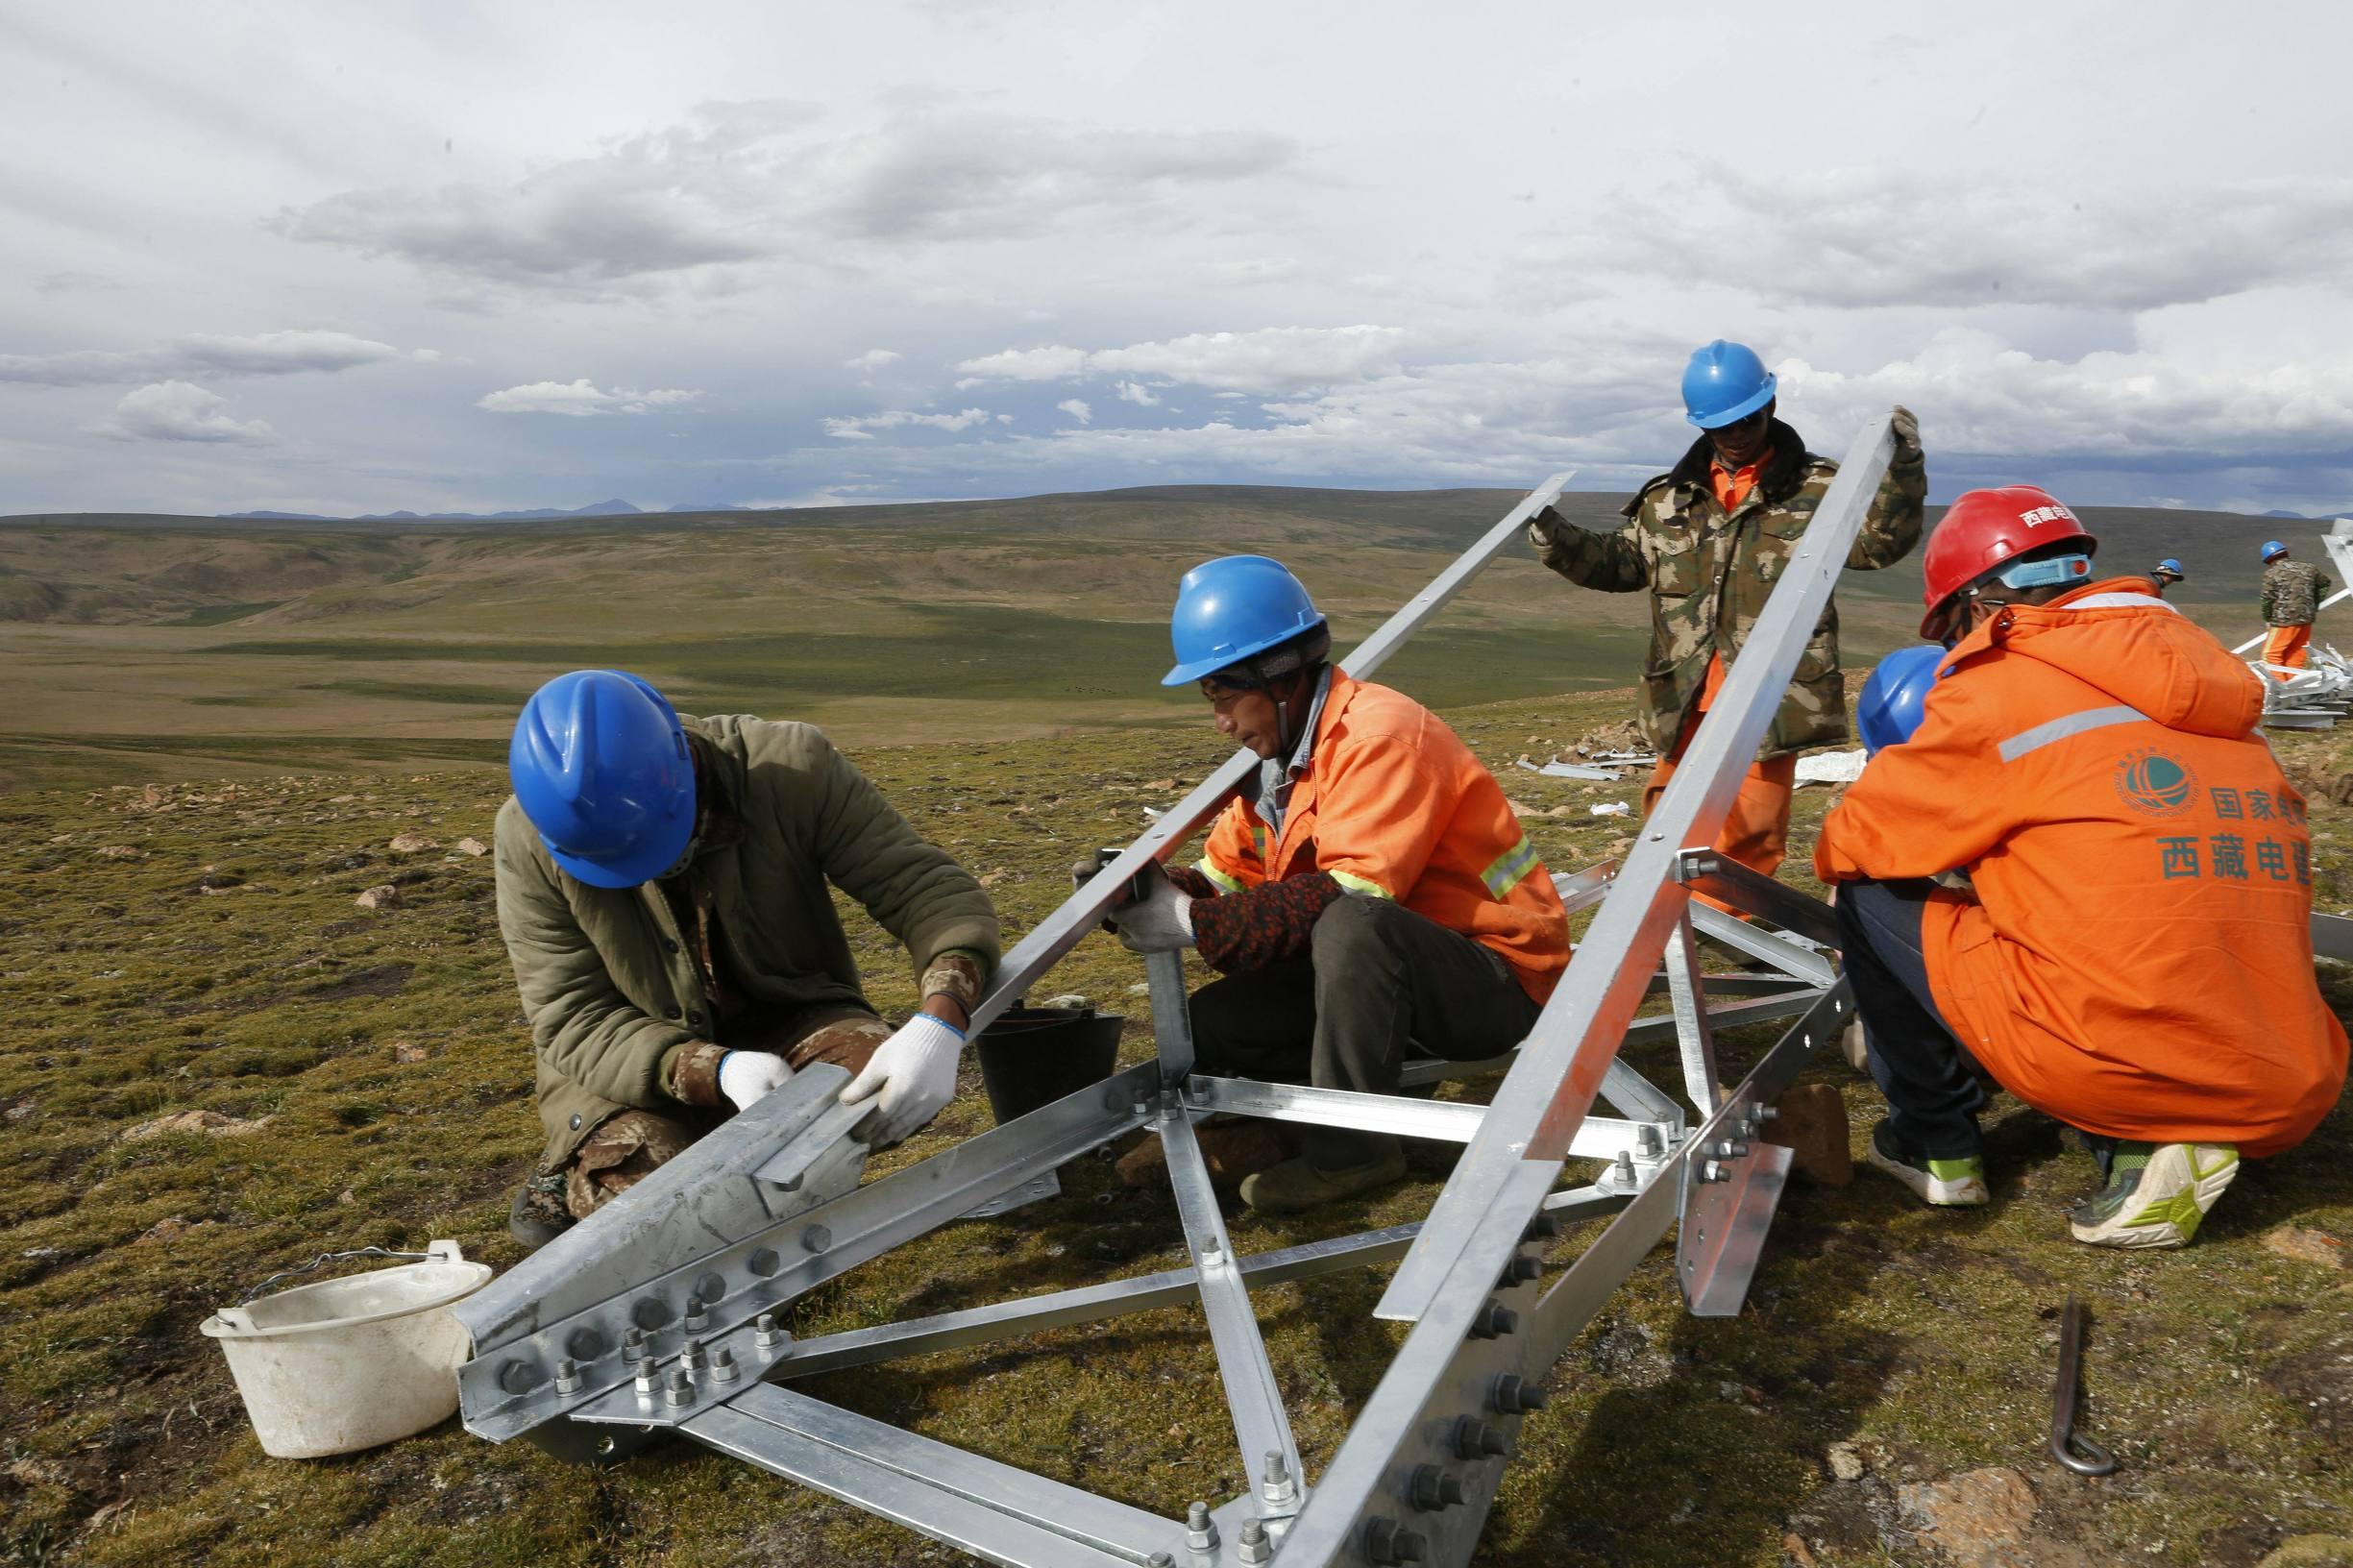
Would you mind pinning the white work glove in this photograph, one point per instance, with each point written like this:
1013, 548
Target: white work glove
746, 1076
915, 1072
1906, 426
1161, 922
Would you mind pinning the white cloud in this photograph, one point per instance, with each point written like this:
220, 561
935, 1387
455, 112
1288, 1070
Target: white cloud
741, 183
1270, 358
1868, 238
872, 360
580, 399
1076, 409
1136, 393
181, 411
860, 428
1047, 364
207, 353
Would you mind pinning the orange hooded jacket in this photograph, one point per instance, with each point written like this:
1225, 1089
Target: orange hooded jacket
2140, 961
1393, 805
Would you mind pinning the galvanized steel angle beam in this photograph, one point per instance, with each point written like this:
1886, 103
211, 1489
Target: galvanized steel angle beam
509, 1387
990, 1510
1552, 1085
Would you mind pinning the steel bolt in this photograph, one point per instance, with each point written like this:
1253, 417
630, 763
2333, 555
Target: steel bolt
1252, 1546
631, 1341
723, 1365
692, 1356
1543, 1228
1731, 1148
1160, 1559
1213, 1255
681, 1391
1646, 1141
696, 1321
1200, 1530
1433, 1489
765, 1333
643, 1370
1278, 1486
817, 1239
567, 1378
1386, 1542
1519, 1271
1515, 1395
1494, 1320
1475, 1440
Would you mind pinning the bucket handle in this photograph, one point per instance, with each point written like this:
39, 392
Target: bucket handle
440, 1252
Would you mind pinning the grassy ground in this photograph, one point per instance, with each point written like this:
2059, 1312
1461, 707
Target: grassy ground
195, 947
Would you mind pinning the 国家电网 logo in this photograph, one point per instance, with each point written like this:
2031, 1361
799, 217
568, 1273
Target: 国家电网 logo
2154, 784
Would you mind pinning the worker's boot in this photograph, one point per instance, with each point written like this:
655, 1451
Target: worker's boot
1298, 1184
1233, 1149
537, 1216
2156, 1194
1945, 1184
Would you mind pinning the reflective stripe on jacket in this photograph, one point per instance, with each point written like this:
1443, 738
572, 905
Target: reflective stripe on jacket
1393, 805
2140, 961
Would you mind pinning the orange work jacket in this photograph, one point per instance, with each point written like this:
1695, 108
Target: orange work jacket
1393, 805
2139, 963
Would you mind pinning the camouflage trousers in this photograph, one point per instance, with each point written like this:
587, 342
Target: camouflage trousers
630, 1146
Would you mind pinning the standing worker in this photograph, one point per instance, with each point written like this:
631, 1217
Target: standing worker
2133, 955
2291, 594
663, 889
1710, 539
1371, 890
2165, 573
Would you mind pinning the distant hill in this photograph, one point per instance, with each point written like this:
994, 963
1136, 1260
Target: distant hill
595, 508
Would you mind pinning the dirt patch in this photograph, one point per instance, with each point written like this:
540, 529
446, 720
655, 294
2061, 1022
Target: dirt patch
375, 980
2319, 1381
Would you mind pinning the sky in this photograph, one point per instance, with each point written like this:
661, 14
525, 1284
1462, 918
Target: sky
436, 256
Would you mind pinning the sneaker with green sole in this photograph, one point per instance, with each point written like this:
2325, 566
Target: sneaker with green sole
1945, 1184
2156, 1196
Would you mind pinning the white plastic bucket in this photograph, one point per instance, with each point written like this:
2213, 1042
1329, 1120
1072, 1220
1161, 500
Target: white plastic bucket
350, 1363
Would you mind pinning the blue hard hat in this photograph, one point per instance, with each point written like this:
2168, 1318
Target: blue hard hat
1895, 696
2271, 547
2172, 567
1232, 607
1725, 381
600, 765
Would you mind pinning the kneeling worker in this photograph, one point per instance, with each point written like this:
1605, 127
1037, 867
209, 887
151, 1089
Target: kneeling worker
2137, 958
662, 893
1372, 891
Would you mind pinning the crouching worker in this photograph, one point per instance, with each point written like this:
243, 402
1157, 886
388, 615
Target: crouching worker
2136, 960
662, 893
1369, 895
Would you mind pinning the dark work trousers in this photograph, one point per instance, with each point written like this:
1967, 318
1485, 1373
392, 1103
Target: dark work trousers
1932, 1096
1377, 976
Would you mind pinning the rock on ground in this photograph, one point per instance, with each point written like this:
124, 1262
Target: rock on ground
384, 896
470, 846
2306, 1247
1980, 1518
1845, 1461
412, 843
194, 1121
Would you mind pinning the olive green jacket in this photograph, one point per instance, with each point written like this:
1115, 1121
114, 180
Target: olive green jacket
610, 988
1709, 573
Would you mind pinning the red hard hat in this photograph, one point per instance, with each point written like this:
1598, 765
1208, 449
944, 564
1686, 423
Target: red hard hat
1983, 529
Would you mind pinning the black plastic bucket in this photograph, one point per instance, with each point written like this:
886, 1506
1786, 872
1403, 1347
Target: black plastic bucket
1033, 1056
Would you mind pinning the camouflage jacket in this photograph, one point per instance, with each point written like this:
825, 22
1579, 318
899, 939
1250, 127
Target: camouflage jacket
1710, 572
2292, 593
